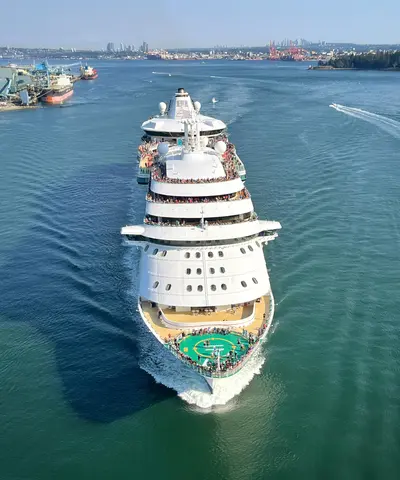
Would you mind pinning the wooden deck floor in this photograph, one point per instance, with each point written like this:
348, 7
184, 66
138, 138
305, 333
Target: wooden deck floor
151, 314
189, 317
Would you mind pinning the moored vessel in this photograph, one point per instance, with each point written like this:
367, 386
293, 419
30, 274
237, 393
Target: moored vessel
88, 73
168, 127
61, 88
204, 289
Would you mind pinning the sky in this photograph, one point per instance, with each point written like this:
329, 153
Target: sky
205, 23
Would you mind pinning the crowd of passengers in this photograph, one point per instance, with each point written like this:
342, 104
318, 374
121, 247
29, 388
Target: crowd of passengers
227, 363
159, 173
203, 223
155, 197
147, 154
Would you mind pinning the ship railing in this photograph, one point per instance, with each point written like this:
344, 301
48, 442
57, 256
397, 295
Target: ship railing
219, 223
221, 373
243, 195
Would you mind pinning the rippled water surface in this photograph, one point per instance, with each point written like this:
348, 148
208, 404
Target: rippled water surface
78, 396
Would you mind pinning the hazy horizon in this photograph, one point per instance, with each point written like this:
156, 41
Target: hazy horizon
168, 24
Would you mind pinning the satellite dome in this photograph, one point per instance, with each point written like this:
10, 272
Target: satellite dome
220, 147
163, 107
197, 106
163, 148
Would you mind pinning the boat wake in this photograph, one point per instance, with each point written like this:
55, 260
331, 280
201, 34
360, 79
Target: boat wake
387, 124
171, 372
162, 73
190, 386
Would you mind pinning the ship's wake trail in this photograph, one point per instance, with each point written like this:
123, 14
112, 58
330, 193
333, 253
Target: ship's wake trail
387, 124
162, 73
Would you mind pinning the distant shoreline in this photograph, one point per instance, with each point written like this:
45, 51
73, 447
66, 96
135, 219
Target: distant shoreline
329, 67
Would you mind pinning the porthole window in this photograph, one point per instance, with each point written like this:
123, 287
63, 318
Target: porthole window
198, 271
212, 270
255, 280
213, 288
222, 269
189, 288
168, 287
187, 255
156, 284
243, 250
200, 288
244, 284
198, 254
164, 253
257, 243
210, 254
250, 248
223, 286
146, 248
155, 251
188, 271
220, 253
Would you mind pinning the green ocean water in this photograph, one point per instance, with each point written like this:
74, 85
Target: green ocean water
79, 397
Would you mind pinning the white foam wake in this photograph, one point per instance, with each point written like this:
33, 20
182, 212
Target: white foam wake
161, 73
190, 386
387, 124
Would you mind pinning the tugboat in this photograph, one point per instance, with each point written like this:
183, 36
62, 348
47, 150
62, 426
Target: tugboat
60, 90
88, 73
168, 127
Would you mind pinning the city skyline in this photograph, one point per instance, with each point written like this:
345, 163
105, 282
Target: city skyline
91, 25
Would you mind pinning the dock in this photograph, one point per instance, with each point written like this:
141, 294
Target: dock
8, 107
22, 87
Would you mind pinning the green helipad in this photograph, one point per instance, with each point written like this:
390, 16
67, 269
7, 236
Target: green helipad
205, 348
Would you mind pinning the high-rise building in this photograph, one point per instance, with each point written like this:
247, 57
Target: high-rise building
121, 47
145, 47
110, 47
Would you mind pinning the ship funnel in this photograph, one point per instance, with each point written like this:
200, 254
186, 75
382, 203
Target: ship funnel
181, 106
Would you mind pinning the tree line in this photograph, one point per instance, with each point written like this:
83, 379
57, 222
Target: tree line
385, 60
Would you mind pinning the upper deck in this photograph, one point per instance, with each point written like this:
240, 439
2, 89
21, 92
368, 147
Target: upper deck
216, 344
169, 124
213, 233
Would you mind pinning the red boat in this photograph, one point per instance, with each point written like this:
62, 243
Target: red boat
59, 91
57, 96
88, 73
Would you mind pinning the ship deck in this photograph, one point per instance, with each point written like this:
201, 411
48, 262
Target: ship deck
193, 320
237, 314
205, 349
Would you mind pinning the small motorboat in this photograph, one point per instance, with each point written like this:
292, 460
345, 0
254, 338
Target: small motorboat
214, 100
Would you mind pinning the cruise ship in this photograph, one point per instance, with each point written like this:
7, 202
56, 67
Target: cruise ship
168, 127
204, 289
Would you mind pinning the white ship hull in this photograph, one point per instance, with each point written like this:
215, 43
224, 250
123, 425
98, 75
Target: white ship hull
204, 288
215, 382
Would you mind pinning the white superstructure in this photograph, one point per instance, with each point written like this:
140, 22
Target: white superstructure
202, 267
169, 127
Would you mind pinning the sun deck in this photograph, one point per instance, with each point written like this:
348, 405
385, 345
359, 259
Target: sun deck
214, 349
197, 317
168, 323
